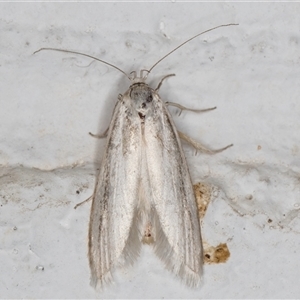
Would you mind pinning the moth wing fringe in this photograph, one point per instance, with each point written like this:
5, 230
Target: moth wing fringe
170, 258
128, 257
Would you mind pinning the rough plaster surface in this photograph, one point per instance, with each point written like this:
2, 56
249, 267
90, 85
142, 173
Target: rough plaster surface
50, 101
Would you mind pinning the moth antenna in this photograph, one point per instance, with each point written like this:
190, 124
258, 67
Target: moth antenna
83, 54
231, 24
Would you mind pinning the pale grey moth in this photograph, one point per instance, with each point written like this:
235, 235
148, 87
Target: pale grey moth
144, 192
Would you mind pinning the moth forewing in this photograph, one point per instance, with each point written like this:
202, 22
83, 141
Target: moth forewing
178, 231
111, 230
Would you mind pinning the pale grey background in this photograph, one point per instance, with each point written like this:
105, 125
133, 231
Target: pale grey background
50, 101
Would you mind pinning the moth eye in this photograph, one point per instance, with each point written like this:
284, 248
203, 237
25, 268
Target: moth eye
143, 105
150, 98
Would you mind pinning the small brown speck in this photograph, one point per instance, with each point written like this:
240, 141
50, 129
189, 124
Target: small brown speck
216, 255
203, 193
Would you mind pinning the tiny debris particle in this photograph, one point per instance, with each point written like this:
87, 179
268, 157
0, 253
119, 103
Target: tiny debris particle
203, 193
40, 268
216, 255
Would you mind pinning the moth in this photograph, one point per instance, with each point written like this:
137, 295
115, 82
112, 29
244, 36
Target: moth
144, 193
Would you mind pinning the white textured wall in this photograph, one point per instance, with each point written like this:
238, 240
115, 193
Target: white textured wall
50, 101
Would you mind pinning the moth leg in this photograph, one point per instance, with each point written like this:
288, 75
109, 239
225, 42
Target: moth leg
100, 136
160, 83
200, 147
86, 200
190, 109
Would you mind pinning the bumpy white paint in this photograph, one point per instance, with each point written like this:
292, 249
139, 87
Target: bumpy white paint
50, 102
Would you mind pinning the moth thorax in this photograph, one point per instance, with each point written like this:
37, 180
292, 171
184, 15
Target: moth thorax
142, 96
